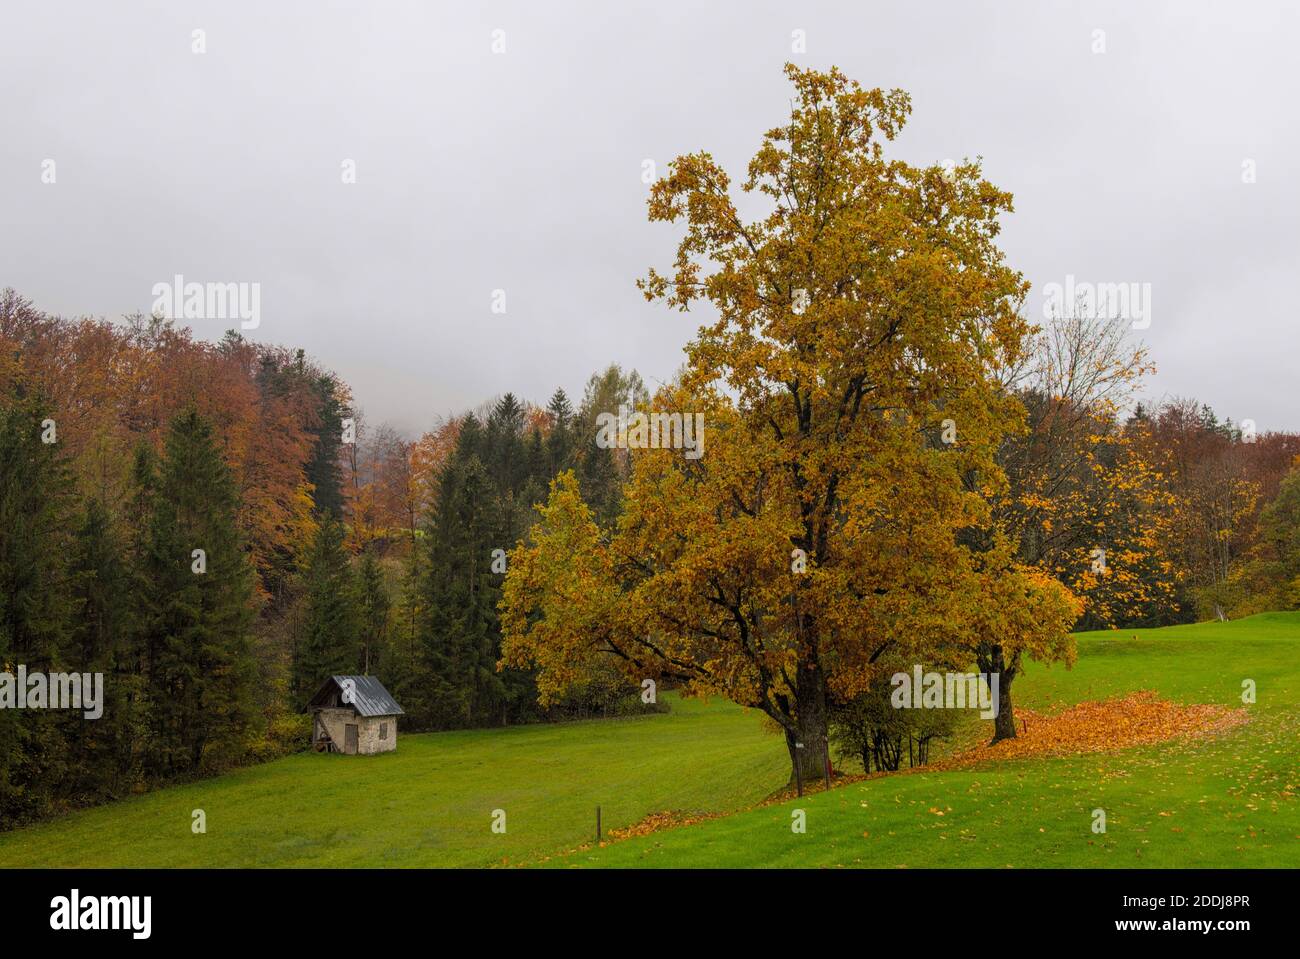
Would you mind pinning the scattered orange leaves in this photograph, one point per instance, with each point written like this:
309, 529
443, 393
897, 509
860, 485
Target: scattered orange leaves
1137, 719
656, 821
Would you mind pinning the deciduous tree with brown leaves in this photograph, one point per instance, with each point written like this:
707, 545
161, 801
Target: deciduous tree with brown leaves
847, 387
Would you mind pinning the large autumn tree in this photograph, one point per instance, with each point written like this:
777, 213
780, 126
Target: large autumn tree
847, 387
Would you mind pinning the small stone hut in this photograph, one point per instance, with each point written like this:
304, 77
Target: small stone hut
354, 715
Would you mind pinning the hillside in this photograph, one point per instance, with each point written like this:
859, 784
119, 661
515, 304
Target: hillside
1225, 800
429, 803
1222, 801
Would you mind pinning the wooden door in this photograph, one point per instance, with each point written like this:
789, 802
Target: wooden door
350, 739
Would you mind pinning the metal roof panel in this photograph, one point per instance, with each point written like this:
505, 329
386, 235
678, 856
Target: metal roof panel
370, 698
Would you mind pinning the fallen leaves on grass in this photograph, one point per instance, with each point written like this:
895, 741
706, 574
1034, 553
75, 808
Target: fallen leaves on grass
1140, 718
1137, 719
657, 821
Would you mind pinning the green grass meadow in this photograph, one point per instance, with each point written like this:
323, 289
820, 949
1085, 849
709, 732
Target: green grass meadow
430, 803
1221, 801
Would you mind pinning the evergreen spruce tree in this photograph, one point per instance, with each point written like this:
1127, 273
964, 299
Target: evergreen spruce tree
36, 504
197, 608
402, 672
330, 643
102, 641
459, 635
322, 469
600, 481
536, 482
506, 459
560, 446
375, 612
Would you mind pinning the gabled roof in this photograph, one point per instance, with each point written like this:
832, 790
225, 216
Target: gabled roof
369, 697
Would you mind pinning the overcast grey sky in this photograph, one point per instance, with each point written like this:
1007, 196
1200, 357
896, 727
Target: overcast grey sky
521, 170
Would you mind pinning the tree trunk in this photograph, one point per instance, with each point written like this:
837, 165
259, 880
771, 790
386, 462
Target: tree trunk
991, 662
809, 759
1004, 726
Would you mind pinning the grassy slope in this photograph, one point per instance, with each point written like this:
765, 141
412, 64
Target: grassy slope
430, 803
1229, 801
